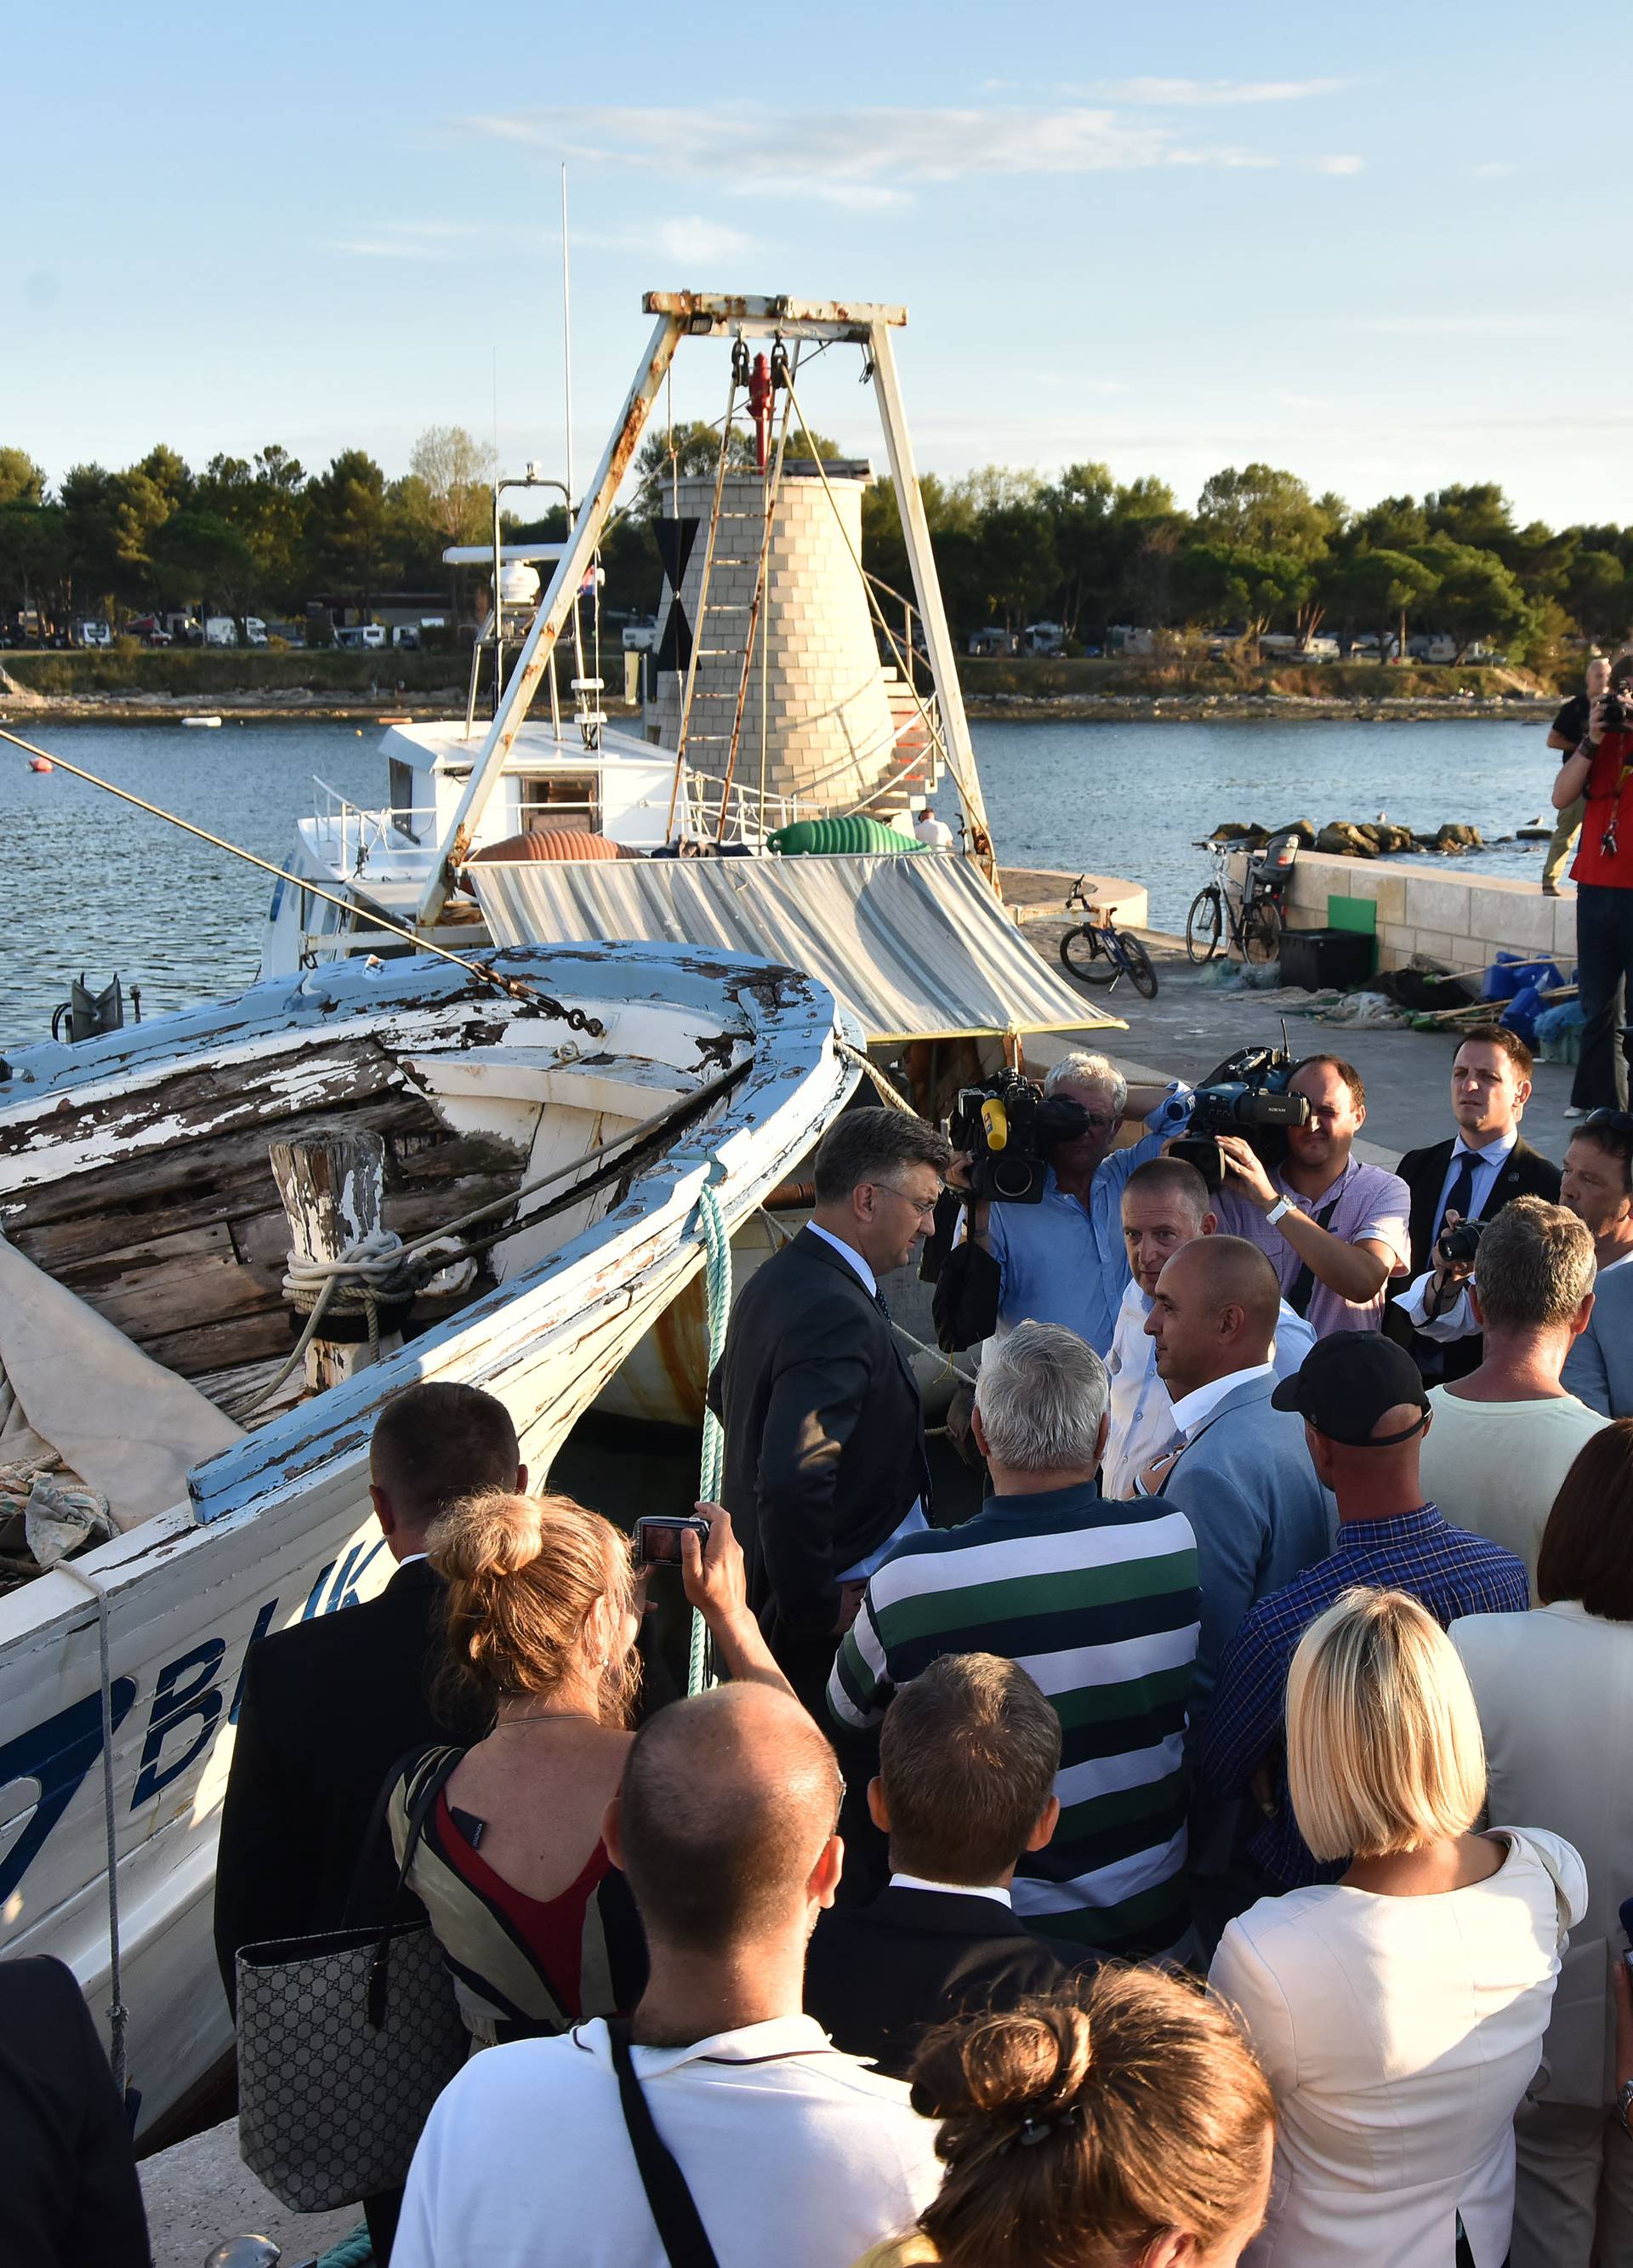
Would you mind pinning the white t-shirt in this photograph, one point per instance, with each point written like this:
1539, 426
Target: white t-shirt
794, 2154
1496, 1466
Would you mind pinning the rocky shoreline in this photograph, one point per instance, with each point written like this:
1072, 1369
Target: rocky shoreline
1252, 708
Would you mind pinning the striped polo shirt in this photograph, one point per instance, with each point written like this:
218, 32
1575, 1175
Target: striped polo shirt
1098, 1602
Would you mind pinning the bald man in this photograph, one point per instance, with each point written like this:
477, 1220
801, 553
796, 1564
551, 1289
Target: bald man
1242, 1474
790, 2150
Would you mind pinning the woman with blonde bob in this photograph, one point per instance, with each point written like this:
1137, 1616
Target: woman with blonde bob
543, 1605
1399, 2012
1117, 2121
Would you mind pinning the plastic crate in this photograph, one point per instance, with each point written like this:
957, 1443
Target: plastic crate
1327, 959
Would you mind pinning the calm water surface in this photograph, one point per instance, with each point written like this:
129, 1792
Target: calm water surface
92, 885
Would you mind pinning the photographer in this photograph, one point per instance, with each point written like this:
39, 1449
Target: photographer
1335, 1230
1602, 771
1565, 736
1063, 1260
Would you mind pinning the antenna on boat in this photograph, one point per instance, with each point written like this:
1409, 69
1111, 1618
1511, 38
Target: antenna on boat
567, 339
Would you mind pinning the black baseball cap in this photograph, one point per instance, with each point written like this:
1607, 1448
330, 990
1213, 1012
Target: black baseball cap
1345, 1384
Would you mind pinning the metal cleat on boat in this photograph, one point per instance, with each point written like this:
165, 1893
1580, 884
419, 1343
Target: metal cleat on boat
246, 2252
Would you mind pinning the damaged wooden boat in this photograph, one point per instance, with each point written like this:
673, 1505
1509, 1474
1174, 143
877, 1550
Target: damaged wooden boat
228, 1236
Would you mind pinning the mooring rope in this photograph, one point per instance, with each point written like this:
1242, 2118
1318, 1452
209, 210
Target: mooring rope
718, 1302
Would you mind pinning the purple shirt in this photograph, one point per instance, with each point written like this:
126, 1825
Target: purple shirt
1371, 1202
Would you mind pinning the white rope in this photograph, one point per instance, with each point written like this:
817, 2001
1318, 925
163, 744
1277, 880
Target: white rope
118, 2014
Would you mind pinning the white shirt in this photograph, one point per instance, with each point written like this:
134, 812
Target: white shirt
870, 1282
793, 2152
997, 1890
1399, 2036
1192, 1410
1142, 1425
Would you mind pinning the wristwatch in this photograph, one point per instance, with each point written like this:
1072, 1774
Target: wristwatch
1625, 2104
1282, 1204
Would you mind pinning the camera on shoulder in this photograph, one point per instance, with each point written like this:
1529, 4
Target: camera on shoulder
1006, 1126
1246, 1094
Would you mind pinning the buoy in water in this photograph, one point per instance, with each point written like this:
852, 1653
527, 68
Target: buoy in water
40, 764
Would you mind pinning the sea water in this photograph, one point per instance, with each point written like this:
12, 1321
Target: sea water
93, 886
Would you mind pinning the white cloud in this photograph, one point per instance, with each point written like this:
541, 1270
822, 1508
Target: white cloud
1497, 171
1190, 93
408, 240
688, 236
1340, 164
856, 158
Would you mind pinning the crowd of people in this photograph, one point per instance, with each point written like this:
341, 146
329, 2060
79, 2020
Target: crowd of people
1211, 1850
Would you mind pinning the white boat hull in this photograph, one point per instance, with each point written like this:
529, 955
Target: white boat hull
280, 1527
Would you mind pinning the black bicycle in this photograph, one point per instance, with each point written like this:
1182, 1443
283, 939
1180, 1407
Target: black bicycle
1253, 917
1098, 951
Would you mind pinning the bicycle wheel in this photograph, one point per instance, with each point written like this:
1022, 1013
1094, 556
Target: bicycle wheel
1139, 966
1204, 924
1081, 955
1262, 930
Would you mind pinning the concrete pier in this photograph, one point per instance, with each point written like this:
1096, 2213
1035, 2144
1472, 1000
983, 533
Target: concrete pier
201, 2193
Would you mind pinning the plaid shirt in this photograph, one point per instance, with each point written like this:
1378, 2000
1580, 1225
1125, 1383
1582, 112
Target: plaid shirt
1446, 1569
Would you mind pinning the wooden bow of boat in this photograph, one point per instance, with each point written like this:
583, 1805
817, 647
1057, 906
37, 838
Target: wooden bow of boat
137, 1196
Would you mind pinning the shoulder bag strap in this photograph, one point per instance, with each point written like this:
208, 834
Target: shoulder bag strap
406, 1763
680, 2230
1302, 1290
430, 1787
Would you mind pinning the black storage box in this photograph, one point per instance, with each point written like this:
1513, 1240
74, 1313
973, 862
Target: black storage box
1319, 958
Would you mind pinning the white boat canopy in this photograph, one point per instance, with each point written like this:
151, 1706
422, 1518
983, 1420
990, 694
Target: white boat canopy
916, 946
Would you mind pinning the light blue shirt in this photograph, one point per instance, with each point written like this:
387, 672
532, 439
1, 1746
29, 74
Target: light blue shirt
1061, 1261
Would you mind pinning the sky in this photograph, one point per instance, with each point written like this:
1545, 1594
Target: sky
1367, 244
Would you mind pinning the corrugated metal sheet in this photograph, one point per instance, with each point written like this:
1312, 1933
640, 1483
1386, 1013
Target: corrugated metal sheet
917, 946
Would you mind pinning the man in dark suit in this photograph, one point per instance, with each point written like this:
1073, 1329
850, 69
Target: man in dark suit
1469, 1176
968, 1752
67, 2170
329, 1705
825, 1465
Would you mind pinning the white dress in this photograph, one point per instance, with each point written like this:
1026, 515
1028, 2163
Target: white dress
1399, 2035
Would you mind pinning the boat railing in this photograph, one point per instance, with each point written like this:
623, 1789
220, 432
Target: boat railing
351, 832
750, 817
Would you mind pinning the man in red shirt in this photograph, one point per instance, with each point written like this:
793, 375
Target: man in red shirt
1601, 771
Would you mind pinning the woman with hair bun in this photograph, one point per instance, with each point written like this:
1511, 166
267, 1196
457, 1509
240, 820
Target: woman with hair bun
543, 1606
1118, 2121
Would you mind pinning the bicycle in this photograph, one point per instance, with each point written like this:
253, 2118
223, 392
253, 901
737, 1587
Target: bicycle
1254, 920
1098, 951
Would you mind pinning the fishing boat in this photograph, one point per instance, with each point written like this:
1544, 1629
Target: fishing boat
774, 795
228, 1235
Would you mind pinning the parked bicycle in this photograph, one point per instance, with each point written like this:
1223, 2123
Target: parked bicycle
1099, 951
1254, 917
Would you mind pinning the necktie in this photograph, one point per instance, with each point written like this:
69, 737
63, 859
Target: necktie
1458, 1196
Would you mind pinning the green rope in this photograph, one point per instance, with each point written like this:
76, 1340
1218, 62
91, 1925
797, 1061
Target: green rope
353, 2251
717, 1299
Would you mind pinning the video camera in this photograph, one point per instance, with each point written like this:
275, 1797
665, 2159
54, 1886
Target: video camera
1005, 1124
1246, 1094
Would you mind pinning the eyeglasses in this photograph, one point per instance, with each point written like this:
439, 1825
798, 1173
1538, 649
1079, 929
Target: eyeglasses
923, 1211
1608, 1122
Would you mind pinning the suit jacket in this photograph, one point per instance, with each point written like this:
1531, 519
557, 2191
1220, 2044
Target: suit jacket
1526, 1173
1246, 1482
328, 1707
877, 1976
824, 1435
1599, 1369
67, 2169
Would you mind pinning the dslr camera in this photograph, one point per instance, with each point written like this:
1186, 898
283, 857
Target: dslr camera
1459, 1245
1617, 710
1246, 1094
1006, 1126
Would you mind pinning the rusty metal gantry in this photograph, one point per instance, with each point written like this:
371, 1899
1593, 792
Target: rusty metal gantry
722, 315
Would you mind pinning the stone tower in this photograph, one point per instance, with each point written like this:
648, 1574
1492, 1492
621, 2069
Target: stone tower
830, 736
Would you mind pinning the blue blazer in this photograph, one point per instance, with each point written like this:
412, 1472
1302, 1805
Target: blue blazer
1599, 1369
1246, 1482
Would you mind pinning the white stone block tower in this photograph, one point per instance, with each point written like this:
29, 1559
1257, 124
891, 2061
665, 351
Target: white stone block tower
830, 736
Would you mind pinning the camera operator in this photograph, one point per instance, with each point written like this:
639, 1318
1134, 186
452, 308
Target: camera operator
1063, 1260
1565, 736
1335, 1230
1602, 771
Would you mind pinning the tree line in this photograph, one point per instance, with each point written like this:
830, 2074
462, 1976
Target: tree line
1257, 553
